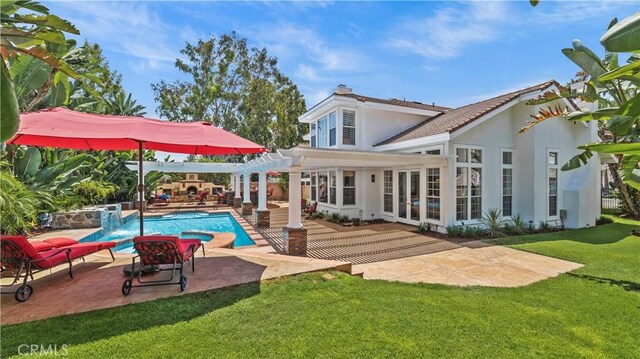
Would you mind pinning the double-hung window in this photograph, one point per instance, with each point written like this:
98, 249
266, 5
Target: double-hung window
322, 132
323, 187
348, 188
468, 183
388, 191
314, 186
332, 129
507, 183
314, 135
332, 187
348, 127
552, 181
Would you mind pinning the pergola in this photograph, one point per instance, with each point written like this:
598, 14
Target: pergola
294, 161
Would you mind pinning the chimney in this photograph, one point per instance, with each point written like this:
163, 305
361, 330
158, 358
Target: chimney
342, 89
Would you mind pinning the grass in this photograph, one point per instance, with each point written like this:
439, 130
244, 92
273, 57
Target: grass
591, 312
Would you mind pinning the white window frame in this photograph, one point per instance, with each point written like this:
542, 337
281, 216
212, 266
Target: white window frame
313, 182
548, 195
504, 166
426, 195
335, 127
313, 131
355, 188
469, 165
384, 180
355, 126
333, 198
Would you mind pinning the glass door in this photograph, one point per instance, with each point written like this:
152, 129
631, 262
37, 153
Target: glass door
409, 196
402, 194
414, 188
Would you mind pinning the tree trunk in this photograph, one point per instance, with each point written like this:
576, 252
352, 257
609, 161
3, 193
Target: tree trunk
628, 204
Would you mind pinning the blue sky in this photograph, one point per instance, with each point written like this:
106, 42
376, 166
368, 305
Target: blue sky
450, 53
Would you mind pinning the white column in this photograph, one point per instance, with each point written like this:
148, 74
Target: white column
295, 196
262, 192
247, 187
236, 186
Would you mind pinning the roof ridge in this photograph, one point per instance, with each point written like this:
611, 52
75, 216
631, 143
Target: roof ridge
507, 98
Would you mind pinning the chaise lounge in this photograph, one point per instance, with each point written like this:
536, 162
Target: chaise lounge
158, 251
23, 258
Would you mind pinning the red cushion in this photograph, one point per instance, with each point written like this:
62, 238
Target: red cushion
61, 242
23, 244
50, 262
82, 249
41, 246
184, 247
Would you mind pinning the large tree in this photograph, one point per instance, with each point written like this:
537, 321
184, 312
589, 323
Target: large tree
237, 88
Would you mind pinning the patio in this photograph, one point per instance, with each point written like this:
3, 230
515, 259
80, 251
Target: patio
97, 282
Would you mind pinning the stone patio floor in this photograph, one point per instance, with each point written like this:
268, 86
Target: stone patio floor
493, 266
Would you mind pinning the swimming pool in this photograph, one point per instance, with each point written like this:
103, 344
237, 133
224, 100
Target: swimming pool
176, 224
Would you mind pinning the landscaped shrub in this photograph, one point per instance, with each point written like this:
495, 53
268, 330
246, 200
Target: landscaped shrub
518, 224
454, 231
493, 222
472, 232
603, 220
94, 192
544, 226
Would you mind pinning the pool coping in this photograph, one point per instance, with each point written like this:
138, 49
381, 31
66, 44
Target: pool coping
256, 237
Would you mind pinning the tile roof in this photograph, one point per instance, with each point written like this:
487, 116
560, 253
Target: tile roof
457, 118
395, 102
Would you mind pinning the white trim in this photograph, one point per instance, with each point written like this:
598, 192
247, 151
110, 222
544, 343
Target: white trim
504, 166
557, 168
469, 165
416, 142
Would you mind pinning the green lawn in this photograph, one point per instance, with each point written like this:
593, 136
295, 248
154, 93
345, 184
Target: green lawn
592, 312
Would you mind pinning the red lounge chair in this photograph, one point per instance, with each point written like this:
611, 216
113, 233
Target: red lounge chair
311, 210
19, 257
160, 250
202, 197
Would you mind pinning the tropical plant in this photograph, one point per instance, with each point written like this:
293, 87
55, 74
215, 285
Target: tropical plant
615, 88
19, 205
493, 222
119, 105
94, 192
34, 36
236, 88
517, 224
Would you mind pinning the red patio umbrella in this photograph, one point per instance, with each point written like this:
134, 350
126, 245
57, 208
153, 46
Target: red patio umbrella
63, 128
273, 174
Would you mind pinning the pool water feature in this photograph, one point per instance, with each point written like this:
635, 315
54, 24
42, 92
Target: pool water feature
176, 224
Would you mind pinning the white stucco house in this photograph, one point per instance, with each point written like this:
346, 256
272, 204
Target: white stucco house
411, 162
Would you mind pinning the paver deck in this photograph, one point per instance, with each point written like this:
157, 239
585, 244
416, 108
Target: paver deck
98, 281
357, 246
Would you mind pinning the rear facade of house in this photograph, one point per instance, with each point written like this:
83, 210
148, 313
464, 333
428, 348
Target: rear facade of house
465, 161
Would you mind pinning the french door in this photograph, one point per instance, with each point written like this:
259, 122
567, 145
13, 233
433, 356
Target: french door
408, 187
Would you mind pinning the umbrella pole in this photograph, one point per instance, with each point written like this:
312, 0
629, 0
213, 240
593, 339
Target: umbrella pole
140, 188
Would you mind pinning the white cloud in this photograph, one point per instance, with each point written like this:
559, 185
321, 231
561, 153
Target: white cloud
450, 30
128, 28
306, 72
314, 97
563, 12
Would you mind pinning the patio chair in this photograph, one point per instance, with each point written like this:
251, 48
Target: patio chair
20, 258
304, 204
310, 211
202, 197
159, 251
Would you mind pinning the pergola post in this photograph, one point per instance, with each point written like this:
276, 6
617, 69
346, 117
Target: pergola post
237, 200
247, 206
295, 235
263, 216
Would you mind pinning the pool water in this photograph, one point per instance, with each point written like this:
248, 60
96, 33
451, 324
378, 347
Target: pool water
175, 224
